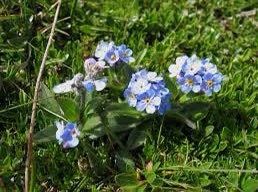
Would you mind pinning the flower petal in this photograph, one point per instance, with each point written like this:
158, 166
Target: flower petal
150, 109
100, 84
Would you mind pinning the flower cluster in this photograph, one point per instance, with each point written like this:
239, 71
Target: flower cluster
147, 92
113, 54
67, 134
105, 52
196, 75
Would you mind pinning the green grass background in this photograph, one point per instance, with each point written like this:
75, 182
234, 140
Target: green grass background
157, 31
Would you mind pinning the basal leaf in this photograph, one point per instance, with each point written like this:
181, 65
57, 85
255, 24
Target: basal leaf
70, 109
45, 135
136, 138
47, 100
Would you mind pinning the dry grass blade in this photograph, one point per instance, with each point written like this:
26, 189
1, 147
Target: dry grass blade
34, 104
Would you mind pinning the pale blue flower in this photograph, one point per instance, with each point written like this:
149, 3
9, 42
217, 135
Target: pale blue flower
112, 56
211, 83
102, 48
192, 65
147, 92
208, 67
130, 97
67, 135
125, 54
196, 75
190, 83
175, 69
148, 101
95, 84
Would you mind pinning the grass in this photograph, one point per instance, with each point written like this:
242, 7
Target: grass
157, 32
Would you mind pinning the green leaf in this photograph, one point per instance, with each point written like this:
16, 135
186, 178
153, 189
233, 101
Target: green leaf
120, 123
94, 127
70, 109
208, 130
178, 116
136, 138
195, 110
150, 176
123, 109
45, 135
139, 188
171, 85
250, 185
141, 56
124, 161
127, 179
47, 100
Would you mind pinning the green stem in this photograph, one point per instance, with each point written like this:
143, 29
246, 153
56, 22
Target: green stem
82, 105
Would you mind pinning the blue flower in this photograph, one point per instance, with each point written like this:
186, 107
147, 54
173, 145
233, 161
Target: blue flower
148, 101
197, 75
192, 66
208, 67
165, 104
190, 83
130, 97
112, 56
67, 135
102, 48
147, 92
125, 54
211, 83
93, 84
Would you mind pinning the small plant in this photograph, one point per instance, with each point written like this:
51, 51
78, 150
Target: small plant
89, 113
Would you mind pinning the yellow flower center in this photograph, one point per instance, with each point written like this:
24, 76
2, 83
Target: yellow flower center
113, 57
209, 83
189, 81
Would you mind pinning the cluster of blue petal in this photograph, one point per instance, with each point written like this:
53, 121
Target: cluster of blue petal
67, 134
196, 75
147, 92
113, 54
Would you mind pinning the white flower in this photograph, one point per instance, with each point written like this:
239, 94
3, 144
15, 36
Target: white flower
175, 69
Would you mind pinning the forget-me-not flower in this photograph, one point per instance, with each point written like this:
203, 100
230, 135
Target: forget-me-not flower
196, 75
190, 83
192, 66
125, 54
95, 84
175, 69
67, 134
211, 83
148, 101
113, 54
102, 49
147, 92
